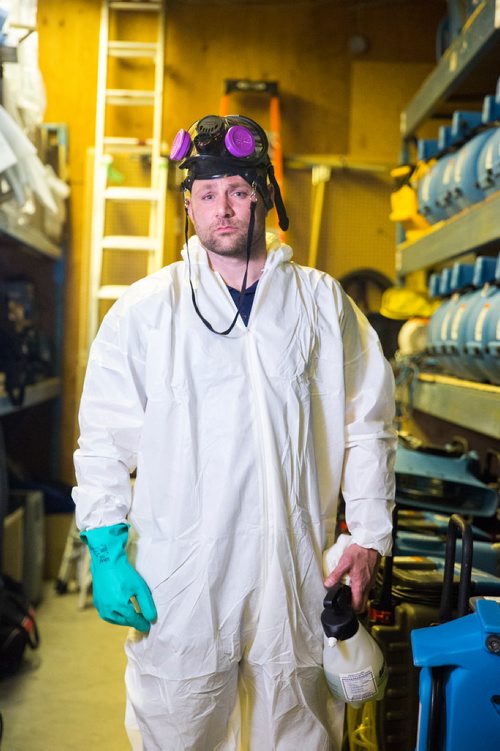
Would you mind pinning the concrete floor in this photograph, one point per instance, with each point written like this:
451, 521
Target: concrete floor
69, 695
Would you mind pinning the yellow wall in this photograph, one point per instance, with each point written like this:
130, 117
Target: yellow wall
332, 102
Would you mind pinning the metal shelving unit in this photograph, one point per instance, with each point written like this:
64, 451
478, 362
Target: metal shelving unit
469, 69
479, 403
475, 228
479, 39
32, 240
40, 392
31, 237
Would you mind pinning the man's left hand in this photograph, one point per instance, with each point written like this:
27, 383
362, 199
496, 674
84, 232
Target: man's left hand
361, 565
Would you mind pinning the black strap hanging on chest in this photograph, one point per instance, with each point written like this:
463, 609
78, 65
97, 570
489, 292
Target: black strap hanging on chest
251, 224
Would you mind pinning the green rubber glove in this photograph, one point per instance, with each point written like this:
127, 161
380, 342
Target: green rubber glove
115, 581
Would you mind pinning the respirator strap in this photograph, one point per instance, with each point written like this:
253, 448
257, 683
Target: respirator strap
278, 200
209, 326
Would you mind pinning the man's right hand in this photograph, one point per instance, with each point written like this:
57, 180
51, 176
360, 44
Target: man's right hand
361, 565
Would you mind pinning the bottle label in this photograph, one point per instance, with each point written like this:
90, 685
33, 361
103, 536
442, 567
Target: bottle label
359, 686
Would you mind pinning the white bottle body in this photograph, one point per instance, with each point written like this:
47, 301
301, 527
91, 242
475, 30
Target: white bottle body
355, 668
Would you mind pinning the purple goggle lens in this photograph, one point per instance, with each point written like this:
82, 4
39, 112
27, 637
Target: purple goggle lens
181, 145
239, 141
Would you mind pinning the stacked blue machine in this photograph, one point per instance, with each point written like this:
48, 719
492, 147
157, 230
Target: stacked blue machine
431, 485
467, 652
422, 533
464, 332
467, 166
460, 663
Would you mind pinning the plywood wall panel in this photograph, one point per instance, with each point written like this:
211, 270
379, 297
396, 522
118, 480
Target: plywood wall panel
273, 42
379, 92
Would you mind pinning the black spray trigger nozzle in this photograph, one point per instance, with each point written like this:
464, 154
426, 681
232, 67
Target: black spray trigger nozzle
338, 618
338, 598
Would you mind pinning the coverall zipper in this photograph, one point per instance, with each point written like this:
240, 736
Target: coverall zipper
264, 450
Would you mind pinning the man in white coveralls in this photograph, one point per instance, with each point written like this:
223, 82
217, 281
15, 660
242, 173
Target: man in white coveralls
247, 392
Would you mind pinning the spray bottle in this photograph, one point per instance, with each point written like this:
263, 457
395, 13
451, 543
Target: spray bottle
354, 665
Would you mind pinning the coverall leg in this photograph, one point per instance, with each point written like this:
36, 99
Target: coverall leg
274, 707
180, 715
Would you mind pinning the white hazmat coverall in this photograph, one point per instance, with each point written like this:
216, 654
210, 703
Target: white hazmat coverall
241, 444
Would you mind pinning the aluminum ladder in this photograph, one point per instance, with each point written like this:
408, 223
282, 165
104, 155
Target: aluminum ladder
129, 173
129, 180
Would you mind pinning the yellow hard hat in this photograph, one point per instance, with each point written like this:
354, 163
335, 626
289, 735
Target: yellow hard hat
401, 303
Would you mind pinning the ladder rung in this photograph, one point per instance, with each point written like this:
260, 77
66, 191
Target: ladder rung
131, 194
132, 49
128, 145
129, 242
135, 6
111, 291
128, 97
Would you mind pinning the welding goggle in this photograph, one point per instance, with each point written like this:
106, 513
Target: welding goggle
234, 138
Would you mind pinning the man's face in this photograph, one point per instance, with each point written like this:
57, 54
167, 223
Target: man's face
220, 211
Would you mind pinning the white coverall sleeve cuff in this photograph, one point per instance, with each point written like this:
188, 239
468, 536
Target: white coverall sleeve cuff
332, 555
382, 545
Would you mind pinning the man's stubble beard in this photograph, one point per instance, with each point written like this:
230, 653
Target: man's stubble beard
219, 246
238, 246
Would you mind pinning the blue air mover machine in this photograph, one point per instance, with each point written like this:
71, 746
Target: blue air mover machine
464, 124
434, 285
423, 533
419, 578
488, 165
488, 329
434, 294
425, 523
427, 149
461, 288
465, 190
463, 333
478, 335
491, 106
463, 127
430, 478
460, 665
407, 597
441, 190
434, 328
462, 316
432, 198
486, 558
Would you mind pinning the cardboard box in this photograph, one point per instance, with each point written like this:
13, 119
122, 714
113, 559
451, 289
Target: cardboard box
56, 532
